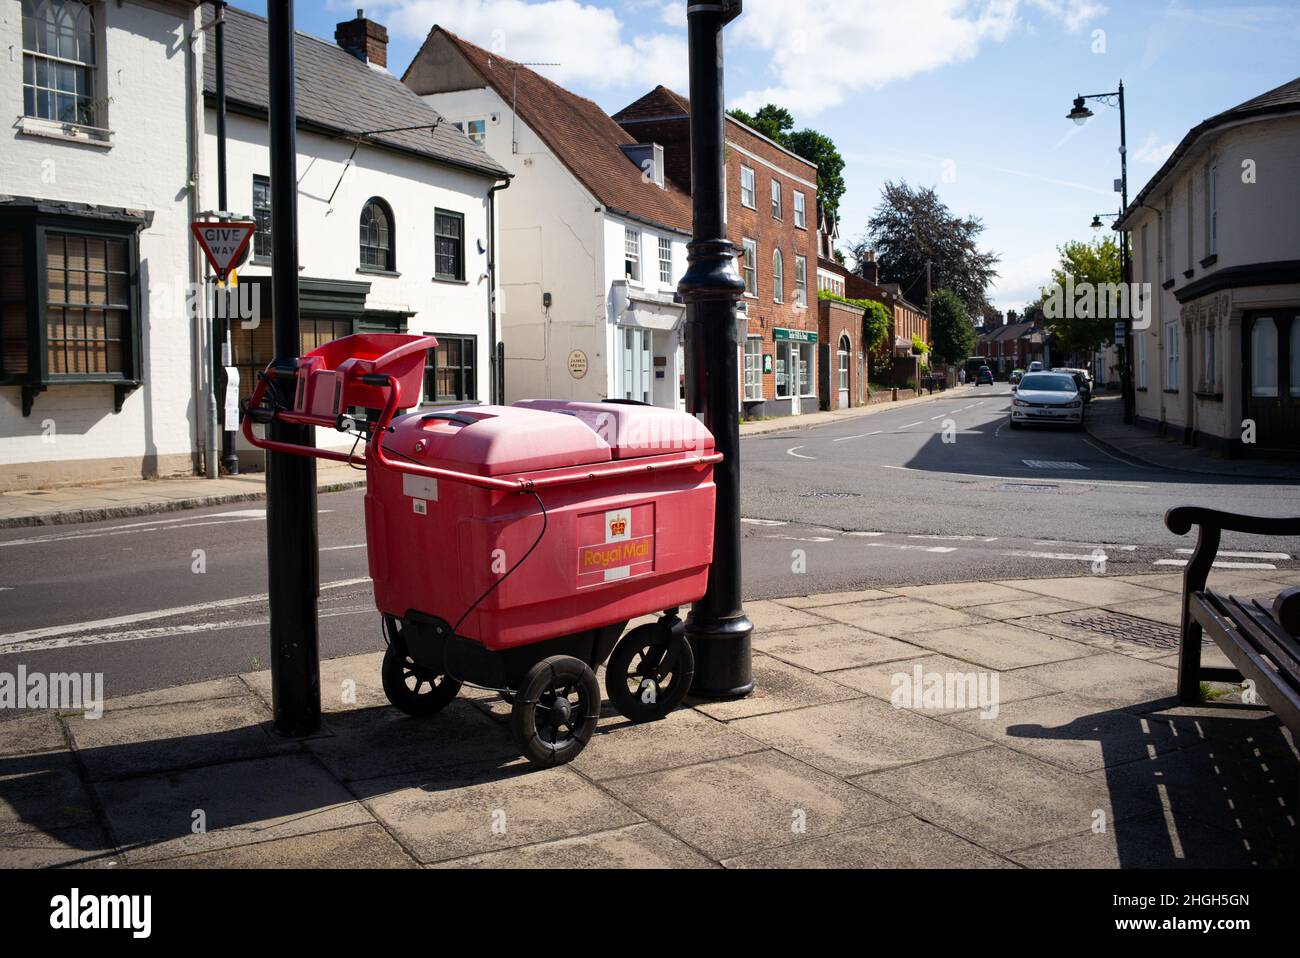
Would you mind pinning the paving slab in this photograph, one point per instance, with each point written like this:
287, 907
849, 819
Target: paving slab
1167, 609
43, 790
1020, 608
832, 646
1090, 589
157, 738
635, 846
1225, 786
80, 846
685, 737
228, 687
962, 595
903, 842
355, 846
899, 618
347, 682
777, 687
1001, 645
996, 798
1211, 655
374, 742
770, 616
33, 732
861, 735
1156, 840
1056, 625
743, 804
243, 802
1116, 681
818, 599
453, 813
1075, 733
880, 681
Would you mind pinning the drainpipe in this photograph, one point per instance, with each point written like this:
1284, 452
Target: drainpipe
198, 324
496, 370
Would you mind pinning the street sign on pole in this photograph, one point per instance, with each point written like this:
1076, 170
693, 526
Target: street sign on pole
223, 243
1119, 332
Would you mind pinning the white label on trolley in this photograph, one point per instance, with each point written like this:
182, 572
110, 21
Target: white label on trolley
420, 506
420, 487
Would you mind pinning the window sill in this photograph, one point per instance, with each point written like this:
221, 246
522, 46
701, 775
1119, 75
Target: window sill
1170, 392
1210, 260
67, 132
1167, 284
450, 279
371, 271
1188, 273
1209, 396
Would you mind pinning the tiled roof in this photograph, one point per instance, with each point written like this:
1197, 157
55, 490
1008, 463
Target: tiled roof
337, 93
1279, 100
582, 136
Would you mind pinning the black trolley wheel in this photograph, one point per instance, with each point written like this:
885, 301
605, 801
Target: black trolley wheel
555, 710
650, 671
411, 687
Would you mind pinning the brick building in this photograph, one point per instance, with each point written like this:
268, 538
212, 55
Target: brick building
772, 219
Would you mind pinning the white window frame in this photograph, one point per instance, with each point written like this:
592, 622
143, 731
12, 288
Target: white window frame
777, 212
778, 276
842, 355
1141, 358
631, 254
1212, 210
1258, 387
749, 266
800, 210
1209, 358
635, 351
748, 186
800, 280
96, 107
1171, 356
665, 260
753, 368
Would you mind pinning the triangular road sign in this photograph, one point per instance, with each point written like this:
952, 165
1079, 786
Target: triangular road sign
223, 243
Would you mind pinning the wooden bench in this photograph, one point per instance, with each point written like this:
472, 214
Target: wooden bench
1263, 644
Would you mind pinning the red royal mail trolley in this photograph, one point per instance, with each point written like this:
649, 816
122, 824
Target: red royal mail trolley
510, 545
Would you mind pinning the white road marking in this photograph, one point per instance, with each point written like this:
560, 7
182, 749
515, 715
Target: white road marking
1107, 452
135, 617
1081, 545
1054, 464
911, 424
864, 534
954, 538
765, 522
361, 545
874, 432
907, 548
1060, 555
1022, 479
940, 416
997, 432
1219, 565
791, 452
1244, 555
802, 539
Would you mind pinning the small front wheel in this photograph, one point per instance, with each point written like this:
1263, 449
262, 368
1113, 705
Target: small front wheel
556, 710
649, 672
413, 688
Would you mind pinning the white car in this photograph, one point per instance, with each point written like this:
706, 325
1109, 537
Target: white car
1047, 397
1035, 367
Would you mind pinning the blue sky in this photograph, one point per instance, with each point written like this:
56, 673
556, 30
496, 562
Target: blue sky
969, 97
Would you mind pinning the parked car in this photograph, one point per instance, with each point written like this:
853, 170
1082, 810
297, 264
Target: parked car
985, 375
1047, 397
1081, 377
1016, 376
1035, 367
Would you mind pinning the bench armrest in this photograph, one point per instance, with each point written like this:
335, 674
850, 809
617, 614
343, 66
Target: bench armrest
1180, 519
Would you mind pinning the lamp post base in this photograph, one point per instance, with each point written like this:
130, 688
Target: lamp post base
723, 656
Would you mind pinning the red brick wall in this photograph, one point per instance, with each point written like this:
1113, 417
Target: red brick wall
836, 320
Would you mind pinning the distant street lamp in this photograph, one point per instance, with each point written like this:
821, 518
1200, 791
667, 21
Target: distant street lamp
1080, 114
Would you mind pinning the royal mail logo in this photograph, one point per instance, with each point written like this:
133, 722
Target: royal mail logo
617, 526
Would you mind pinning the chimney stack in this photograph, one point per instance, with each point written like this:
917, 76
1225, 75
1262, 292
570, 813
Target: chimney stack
868, 268
364, 39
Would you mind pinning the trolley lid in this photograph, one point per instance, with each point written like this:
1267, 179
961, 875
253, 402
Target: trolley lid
495, 440
633, 430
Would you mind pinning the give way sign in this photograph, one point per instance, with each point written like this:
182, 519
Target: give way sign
223, 243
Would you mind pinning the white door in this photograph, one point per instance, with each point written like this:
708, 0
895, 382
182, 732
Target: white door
842, 355
636, 379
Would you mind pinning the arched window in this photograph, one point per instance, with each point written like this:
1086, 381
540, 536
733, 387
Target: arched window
778, 277
843, 356
1295, 356
377, 236
1263, 358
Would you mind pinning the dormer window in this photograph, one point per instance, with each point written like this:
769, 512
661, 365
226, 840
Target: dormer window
649, 159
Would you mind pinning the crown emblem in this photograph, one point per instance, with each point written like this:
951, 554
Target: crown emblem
617, 526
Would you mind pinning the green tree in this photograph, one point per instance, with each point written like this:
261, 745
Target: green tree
777, 124
950, 328
912, 227
1089, 271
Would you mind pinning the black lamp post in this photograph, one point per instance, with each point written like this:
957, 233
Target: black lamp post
718, 629
1080, 113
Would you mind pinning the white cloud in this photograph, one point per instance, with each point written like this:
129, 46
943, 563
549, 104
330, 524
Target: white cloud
589, 43
1020, 279
1152, 152
822, 51
673, 14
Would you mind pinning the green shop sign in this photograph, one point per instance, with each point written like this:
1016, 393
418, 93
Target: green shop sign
795, 335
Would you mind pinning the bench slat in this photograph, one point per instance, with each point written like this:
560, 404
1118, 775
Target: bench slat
1265, 638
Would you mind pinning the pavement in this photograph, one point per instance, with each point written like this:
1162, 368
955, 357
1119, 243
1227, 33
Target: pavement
1105, 423
1073, 756
90, 502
